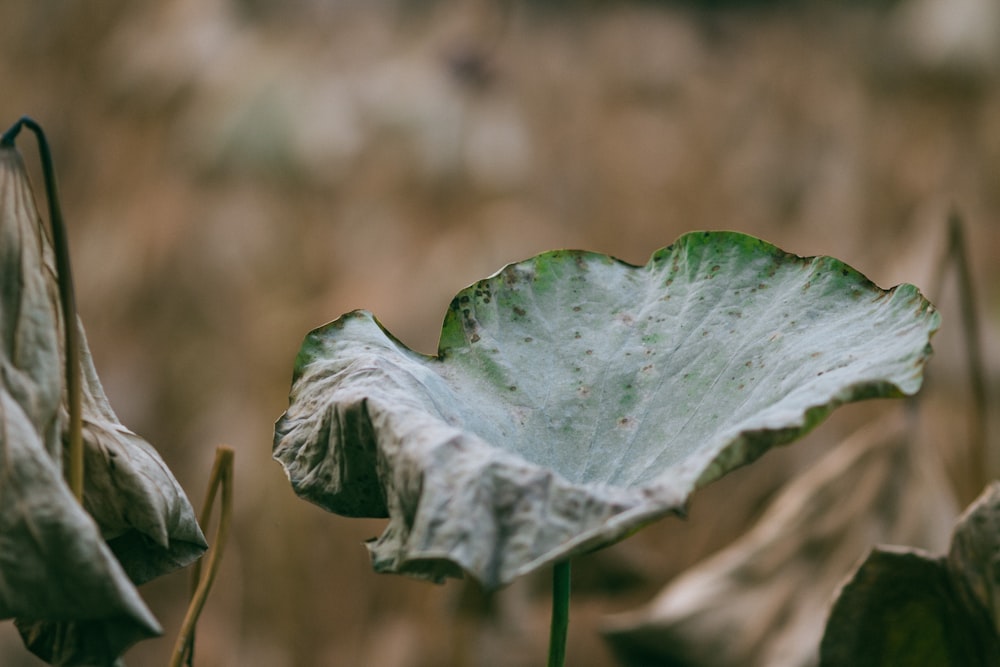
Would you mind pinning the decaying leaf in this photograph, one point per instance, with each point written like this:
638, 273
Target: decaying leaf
67, 575
764, 599
575, 398
141, 509
905, 606
974, 557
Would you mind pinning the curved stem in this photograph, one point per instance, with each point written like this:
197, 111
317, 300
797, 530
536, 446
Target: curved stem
67, 297
560, 614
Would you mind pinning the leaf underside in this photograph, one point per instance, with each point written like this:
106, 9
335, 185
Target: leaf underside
575, 398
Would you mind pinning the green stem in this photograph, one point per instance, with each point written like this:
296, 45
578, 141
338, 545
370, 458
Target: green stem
560, 614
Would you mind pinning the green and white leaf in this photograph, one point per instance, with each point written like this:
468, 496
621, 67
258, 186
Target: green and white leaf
67, 575
576, 398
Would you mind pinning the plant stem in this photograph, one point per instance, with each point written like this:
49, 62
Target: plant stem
956, 256
222, 475
981, 460
560, 614
67, 297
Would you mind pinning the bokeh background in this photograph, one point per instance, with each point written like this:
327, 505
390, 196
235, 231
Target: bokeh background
238, 172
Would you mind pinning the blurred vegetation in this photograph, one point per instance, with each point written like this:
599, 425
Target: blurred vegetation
237, 172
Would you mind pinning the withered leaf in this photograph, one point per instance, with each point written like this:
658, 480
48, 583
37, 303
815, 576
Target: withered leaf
67, 575
905, 606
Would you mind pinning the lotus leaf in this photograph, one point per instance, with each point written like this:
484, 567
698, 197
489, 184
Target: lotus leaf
574, 397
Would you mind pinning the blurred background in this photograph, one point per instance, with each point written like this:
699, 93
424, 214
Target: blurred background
238, 172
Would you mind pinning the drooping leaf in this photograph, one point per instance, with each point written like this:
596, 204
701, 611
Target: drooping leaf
575, 397
56, 569
67, 575
908, 607
142, 511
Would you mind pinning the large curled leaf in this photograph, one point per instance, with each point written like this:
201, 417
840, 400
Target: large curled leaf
575, 397
905, 606
67, 574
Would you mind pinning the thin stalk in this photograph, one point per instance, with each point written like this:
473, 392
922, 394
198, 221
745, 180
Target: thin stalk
956, 256
67, 298
981, 462
222, 475
560, 614
214, 482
